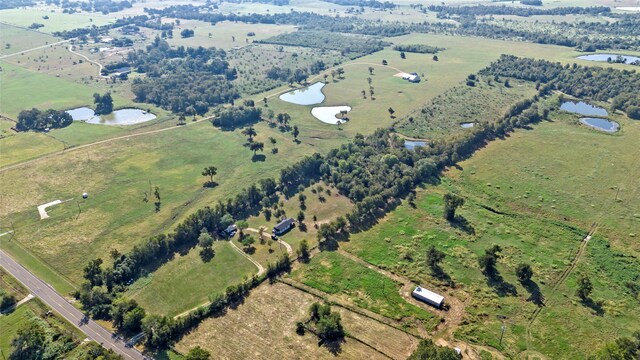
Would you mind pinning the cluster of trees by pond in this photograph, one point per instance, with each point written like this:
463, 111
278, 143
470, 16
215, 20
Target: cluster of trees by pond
124, 22
596, 83
349, 45
298, 75
482, 10
182, 79
35, 119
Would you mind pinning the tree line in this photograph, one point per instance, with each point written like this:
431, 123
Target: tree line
483, 10
386, 5
418, 48
95, 31
349, 46
12, 4
101, 6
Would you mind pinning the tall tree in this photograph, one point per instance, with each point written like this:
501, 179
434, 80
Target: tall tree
584, 287
198, 353
296, 132
104, 103
434, 258
210, 171
524, 272
29, 342
250, 132
451, 203
256, 146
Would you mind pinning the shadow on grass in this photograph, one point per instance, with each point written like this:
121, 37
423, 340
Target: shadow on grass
535, 295
258, 158
596, 306
334, 346
442, 276
462, 224
210, 184
501, 287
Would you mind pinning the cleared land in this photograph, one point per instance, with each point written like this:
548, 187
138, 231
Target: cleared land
57, 21
264, 327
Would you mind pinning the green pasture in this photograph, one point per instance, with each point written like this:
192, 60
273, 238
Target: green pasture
15, 39
186, 281
335, 274
57, 20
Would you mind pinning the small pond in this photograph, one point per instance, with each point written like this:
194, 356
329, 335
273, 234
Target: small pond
628, 59
583, 108
118, 117
467, 125
329, 114
601, 124
412, 144
309, 95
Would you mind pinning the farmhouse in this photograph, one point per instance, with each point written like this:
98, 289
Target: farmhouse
229, 231
427, 296
413, 77
283, 226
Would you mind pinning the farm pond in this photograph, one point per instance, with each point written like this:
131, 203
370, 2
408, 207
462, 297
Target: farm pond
601, 124
309, 95
118, 117
583, 108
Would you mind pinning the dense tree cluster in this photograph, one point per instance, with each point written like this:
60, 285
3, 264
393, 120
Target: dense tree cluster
624, 348
272, 2
427, 350
234, 117
482, 10
349, 45
325, 323
180, 78
365, 3
102, 6
597, 83
417, 48
35, 119
94, 31
104, 103
37, 339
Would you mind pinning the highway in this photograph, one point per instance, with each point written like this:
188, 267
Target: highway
49, 296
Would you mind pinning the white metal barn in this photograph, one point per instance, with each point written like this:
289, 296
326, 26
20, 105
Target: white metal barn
428, 296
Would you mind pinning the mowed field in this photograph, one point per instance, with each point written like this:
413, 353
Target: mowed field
57, 20
15, 39
263, 326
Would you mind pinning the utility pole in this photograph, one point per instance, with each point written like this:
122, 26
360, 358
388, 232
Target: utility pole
502, 328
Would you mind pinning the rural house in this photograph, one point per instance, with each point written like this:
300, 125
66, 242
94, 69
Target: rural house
283, 226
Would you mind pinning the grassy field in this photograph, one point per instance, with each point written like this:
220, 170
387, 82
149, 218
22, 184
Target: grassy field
57, 20
264, 327
15, 39
221, 34
534, 181
333, 273
170, 289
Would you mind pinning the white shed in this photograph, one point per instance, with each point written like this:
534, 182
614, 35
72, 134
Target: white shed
428, 296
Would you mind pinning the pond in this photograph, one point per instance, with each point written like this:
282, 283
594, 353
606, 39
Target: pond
309, 95
624, 59
601, 124
412, 144
118, 117
328, 114
583, 108
467, 125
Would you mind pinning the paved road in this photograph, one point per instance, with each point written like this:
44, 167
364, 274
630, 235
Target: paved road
54, 300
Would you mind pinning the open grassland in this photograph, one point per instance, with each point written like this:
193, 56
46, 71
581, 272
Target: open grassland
333, 273
186, 281
536, 195
566, 171
263, 326
117, 175
221, 35
15, 39
57, 21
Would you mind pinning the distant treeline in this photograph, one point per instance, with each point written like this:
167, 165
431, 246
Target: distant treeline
481, 10
364, 3
102, 6
125, 22
298, 75
351, 46
272, 2
596, 83
417, 48
12, 4
183, 80
35, 119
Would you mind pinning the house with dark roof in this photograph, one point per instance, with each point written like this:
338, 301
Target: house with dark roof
283, 226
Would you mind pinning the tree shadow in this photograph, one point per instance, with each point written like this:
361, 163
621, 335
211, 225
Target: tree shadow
258, 158
210, 184
596, 306
535, 295
302, 226
334, 346
461, 223
501, 287
442, 276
